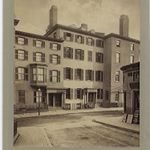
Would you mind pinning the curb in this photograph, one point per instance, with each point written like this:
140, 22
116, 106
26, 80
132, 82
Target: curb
117, 127
46, 115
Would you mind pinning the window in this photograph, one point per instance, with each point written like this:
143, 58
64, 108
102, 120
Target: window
136, 76
99, 93
132, 59
89, 55
99, 57
38, 43
79, 39
69, 93
99, 76
43, 96
68, 73
54, 76
21, 54
54, 59
132, 47
90, 75
68, 36
21, 73
68, 52
89, 41
55, 46
21, 40
79, 93
118, 43
99, 43
21, 96
39, 57
117, 57
78, 74
38, 74
79, 54
117, 76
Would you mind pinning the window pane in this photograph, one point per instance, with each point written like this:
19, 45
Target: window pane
21, 40
21, 54
38, 43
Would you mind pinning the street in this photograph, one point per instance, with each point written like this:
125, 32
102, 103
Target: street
73, 131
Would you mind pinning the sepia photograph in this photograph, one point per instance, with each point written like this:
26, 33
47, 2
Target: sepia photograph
76, 70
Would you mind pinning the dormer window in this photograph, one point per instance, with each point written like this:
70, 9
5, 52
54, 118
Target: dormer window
79, 39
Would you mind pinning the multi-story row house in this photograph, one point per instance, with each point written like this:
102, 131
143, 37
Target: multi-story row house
73, 67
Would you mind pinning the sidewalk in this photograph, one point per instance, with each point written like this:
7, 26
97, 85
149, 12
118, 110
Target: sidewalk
116, 122
64, 112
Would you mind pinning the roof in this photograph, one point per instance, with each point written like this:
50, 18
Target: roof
121, 37
78, 30
37, 36
134, 65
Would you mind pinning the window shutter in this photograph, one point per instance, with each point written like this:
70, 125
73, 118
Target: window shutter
51, 45
34, 56
92, 75
16, 54
34, 43
75, 93
71, 52
25, 41
102, 58
58, 47
71, 37
26, 55
65, 35
64, 73
43, 57
16, 73
43, 44
71, 93
86, 75
59, 59
58, 79
82, 73
26, 73
75, 74
76, 51
50, 76
71, 72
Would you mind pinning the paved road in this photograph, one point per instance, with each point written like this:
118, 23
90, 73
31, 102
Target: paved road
73, 130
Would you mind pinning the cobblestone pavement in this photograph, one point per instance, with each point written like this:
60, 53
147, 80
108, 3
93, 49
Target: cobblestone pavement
73, 130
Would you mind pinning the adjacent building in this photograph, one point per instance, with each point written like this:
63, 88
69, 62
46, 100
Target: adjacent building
74, 67
131, 85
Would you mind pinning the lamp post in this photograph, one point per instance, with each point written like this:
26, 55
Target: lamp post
39, 100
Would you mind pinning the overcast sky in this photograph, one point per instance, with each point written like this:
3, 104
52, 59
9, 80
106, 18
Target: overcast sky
100, 15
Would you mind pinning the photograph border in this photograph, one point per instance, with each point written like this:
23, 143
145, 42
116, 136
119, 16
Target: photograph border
8, 77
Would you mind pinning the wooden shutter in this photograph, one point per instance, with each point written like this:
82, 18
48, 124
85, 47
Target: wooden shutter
71, 93
59, 59
34, 56
75, 74
82, 54
102, 58
50, 76
82, 74
92, 42
76, 51
25, 55
16, 73
86, 75
58, 47
65, 52
26, 73
64, 73
71, 71
16, 54
43, 57
75, 93
101, 76
43, 44
92, 75
58, 79
71, 52
25, 41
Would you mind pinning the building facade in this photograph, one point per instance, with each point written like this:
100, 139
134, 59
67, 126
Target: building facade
131, 84
73, 67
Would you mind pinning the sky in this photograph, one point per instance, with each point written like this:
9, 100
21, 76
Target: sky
100, 15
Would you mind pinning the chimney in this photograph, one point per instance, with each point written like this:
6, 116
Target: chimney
124, 25
84, 27
53, 16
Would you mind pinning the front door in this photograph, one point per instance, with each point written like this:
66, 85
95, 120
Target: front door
55, 99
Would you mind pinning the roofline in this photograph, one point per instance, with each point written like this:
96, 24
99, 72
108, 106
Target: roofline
37, 36
122, 37
74, 30
134, 65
